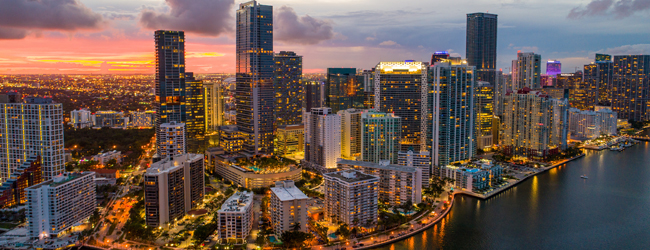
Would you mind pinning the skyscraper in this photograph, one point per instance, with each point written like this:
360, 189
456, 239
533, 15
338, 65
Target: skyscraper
484, 98
599, 76
380, 134
314, 95
30, 127
322, 139
288, 89
400, 88
452, 136
170, 103
553, 68
350, 133
367, 77
631, 87
215, 104
526, 71
172, 139
254, 92
343, 90
481, 43
195, 109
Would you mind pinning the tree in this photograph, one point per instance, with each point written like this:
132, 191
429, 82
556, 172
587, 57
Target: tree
343, 230
295, 239
296, 226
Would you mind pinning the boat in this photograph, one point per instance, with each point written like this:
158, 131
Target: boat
584, 177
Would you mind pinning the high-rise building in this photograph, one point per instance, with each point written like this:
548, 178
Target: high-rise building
343, 90
397, 184
420, 160
526, 71
289, 139
195, 112
235, 218
603, 58
172, 187
481, 43
351, 197
534, 125
380, 135
32, 127
215, 105
401, 88
288, 207
173, 141
254, 92
12, 191
81, 118
484, 106
314, 95
631, 87
367, 78
55, 206
170, 103
110, 119
288, 89
322, 139
230, 139
452, 137
600, 75
553, 68
351, 133
144, 119
439, 56
503, 84
588, 125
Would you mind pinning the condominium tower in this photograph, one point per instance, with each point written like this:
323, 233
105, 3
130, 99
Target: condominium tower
526, 71
288, 89
322, 139
351, 133
343, 90
351, 197
631, 87
235, 218
254, 67
173, 141
30, 127
484, 98
380, 134
288, 207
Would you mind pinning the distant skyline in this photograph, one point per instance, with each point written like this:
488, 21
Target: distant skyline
327, 33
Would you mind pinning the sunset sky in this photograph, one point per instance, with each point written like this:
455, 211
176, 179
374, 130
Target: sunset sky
116, 36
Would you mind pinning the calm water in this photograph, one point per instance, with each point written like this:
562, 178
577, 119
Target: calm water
556, 209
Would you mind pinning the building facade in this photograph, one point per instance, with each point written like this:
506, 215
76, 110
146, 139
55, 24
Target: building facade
322, 139
56, 205
631, 87
351, 197
420, 160
195, 112
144, 119
527, 70
401, 88
351, 133
553, 68
481, 45
110, 119
289, 139
288, 89
173, 142
235, 218
380, 136
81, 118
230, 139
288, 208
588, 125
215, 105
343, 90
254, 92
12, 191
484, 97
397, 184
172, 187
32, 127
314, 94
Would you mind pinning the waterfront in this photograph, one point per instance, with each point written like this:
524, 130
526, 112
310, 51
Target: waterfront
555, 209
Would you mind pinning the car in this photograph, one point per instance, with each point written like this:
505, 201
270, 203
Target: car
360, 244
392, 237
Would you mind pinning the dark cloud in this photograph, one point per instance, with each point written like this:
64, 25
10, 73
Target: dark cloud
205, 17
618, 8
19, 17
290, 28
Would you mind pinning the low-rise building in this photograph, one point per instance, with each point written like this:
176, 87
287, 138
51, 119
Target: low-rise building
288, 207
289, 139
172, 187
144, 119
110, 119
397, 184
473, 176
235, 218
12, 191
105, 157
107, 173
230, 139
57, 205
81, 118
351, 197
588, 125
251, 176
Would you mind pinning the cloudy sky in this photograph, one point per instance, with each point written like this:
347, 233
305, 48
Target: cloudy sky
78, 36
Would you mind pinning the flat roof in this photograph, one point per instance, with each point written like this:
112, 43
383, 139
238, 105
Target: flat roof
378, 166
358, 176
61, 179
287, 194
237, 202
170, 163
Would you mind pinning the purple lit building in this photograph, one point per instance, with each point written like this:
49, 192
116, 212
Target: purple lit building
553, 68
438, 56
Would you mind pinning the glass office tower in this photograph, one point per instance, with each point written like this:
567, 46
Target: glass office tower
343, 90
288, 89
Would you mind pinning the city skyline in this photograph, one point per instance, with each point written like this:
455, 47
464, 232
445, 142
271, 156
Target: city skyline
114, 36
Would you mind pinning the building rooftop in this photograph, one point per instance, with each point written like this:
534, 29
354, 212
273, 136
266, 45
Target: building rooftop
238, 202
61, 179
385, 166
351, 176
170, 163
286, 191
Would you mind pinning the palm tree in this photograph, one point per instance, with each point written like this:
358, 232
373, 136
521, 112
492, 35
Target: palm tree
296, 226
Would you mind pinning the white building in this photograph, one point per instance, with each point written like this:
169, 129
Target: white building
172, 139
322, 139
350, 133
397, 184
421, 160
588, 125
172, 187
144, 119
33, 127
110, 119
104, 158
351, 197
81, 118
527, 71
235, 218
57, 205
288, 207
